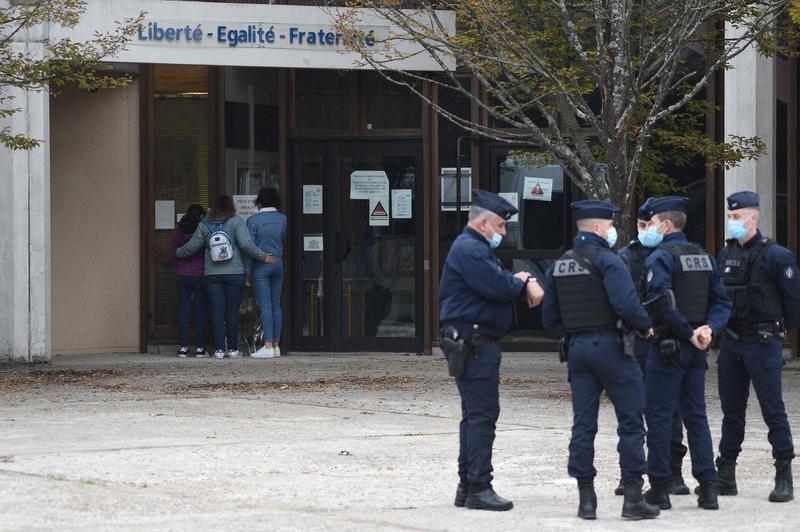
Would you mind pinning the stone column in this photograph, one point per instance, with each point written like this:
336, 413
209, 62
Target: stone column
25, 223
750, 112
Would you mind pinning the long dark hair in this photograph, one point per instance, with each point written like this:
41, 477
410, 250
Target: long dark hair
268, 197
223, 208
189, 221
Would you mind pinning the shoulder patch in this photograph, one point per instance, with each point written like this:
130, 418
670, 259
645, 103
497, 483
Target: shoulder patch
695, 263
568, 268
789, 272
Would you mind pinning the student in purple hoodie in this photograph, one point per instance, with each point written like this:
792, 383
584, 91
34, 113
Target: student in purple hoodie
189, 280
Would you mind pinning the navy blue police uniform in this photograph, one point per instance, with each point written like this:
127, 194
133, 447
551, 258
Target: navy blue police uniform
635, 254
475, 297
677, 380
763, 282
586, 292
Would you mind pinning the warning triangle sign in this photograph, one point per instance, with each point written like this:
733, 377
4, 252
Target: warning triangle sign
379, 211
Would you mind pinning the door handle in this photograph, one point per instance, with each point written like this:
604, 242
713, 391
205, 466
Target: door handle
342, 243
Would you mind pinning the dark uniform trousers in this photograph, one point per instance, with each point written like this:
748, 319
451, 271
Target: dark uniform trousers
677, 449
480, 408
596, 363
741, 362
667, 383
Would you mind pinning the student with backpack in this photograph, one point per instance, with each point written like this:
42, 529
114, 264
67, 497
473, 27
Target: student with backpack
189, 282
226, 240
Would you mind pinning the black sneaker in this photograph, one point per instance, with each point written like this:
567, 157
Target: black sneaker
201, 352
183, 351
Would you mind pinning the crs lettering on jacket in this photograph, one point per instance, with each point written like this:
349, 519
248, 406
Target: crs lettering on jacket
568, 268
695, 263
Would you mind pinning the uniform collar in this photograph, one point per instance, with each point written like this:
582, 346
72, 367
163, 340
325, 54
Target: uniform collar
476, 235
583, 238
680, 236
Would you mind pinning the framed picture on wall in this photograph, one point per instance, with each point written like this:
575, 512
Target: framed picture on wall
249, 178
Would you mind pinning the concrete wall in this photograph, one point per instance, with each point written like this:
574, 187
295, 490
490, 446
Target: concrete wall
95, 189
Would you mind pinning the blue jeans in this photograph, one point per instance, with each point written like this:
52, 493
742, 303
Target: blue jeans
191, 288
267, 283
225, 296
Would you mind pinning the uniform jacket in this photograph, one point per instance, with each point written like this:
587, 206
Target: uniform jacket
475, 289
616, 281
662, 267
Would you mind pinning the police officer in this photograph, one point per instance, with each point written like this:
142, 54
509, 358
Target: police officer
634, 255
763, 282
587, 291
475, 309
689, 306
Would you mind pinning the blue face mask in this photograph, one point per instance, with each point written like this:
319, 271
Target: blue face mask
611, 237
496, 240
737, 229
650, 238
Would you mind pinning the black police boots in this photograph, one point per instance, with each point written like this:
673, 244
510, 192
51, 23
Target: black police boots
461, 494
707, 495
487, 499
677, 486
620, 489
587, 506
635, 507
726, 474
784, 491
659, 495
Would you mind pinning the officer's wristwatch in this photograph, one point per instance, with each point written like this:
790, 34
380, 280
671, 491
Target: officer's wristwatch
530, 279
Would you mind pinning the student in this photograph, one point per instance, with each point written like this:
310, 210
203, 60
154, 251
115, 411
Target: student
189, 282
268, 228
226, 240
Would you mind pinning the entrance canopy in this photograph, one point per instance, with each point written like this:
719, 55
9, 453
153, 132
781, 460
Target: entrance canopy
209, 33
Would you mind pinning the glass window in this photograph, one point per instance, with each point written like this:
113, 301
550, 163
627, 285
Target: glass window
251, 129
181, 145
322, 99
391, 106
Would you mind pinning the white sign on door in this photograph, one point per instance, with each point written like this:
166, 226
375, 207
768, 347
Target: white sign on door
402, 203
312, 199
372, 185
538, 189
245, 205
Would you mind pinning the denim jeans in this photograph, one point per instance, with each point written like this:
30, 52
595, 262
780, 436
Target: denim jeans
191, 288
267, 282
225, 296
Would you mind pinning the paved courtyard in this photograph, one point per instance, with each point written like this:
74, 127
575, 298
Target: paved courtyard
335, 442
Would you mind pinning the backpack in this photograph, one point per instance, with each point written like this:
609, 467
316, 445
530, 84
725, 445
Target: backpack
219, 243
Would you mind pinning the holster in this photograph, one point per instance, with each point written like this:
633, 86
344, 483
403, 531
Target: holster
563, 349
669, 349
456, 349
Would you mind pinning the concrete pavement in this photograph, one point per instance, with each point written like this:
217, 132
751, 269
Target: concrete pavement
339, 442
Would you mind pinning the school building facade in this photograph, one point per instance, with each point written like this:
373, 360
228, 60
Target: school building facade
229, 97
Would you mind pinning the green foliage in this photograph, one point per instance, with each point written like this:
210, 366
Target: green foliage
58, 62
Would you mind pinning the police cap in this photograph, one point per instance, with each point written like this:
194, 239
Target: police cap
593, 209
643, 213
667, 203
742, 200
494, 203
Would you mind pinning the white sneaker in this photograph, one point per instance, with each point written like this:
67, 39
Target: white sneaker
234, 353
277, 351
264, 352
183, 351
219, 353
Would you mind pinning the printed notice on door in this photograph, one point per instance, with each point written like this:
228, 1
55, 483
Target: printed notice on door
312, 199
372, 185
538, 189
513, 199
312, 242
245, 205
401, 203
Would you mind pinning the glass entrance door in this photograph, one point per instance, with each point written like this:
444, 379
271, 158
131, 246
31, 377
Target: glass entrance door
358, 246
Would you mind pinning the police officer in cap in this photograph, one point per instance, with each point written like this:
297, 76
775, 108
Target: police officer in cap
634, 255
763, 282
588, 292
689, 306
475, 309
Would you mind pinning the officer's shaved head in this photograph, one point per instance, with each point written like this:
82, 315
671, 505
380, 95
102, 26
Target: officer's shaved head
677, 218
587, 224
